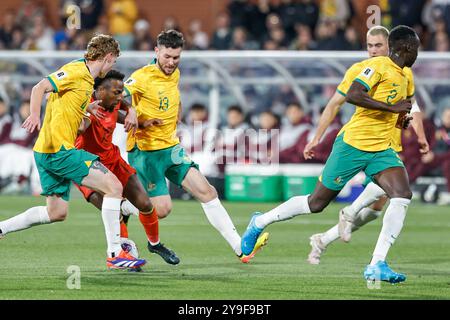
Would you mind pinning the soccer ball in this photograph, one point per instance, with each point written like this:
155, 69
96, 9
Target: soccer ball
129, 246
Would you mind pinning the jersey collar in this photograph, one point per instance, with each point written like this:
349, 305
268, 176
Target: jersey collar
394, 64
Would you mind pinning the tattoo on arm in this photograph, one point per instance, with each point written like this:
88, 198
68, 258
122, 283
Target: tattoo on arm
97, 165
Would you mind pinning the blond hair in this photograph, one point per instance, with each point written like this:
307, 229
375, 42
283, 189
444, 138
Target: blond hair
100, 46
378, 30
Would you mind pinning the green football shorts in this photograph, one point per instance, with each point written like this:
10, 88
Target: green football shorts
57, 170
346, 161
154, 166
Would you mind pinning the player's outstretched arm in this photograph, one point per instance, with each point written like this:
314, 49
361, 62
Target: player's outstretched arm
327, 117
417, 124
37, 94
357, 95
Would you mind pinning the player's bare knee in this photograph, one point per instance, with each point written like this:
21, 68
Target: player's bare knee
117, 189
163, 210
114, 187
316, 207
406, 194
57, 214
207, 194
144, 204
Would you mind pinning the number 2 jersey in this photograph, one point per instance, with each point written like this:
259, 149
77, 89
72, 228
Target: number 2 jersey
374, 130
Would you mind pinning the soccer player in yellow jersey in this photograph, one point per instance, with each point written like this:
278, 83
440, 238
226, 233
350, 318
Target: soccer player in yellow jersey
377, 45
57, 159
380, 92
154, 150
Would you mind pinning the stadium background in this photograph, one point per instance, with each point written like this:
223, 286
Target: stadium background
262, 56
296, 56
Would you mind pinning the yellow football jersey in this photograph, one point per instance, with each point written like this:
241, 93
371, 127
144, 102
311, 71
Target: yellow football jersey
349, 76
73, 85
155, 95
374, 130
396, 142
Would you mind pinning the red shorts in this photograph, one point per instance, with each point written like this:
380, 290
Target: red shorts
121, 169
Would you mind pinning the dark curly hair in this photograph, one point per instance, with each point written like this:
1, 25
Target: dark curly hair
170, 39
111, 75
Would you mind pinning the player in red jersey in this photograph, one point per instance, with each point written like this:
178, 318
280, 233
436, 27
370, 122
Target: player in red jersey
95, 136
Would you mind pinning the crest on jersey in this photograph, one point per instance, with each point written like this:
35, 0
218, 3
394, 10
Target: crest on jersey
338, 180
130, 81
367, 72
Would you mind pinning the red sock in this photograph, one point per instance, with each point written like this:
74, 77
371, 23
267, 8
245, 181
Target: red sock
123, 230
151, 225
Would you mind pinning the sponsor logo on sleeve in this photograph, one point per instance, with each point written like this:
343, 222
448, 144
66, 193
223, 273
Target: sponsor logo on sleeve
130, 81
59, 75
367, 72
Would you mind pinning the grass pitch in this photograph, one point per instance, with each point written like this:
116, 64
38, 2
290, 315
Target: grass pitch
34, 262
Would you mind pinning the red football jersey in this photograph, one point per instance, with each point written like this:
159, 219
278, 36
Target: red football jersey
97, 138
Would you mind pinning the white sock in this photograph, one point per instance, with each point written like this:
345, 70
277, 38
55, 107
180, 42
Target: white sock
219, 219
32, 217
330, 235
364, 216
128, 208
285, 211
111, 221
392, 225
371, 193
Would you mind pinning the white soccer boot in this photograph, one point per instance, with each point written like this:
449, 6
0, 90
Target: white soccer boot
128, 209
317, 249
345, 226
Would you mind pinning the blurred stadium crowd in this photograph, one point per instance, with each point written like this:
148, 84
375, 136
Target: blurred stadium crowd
245, 25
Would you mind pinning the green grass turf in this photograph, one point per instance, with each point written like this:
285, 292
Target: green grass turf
34, 262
